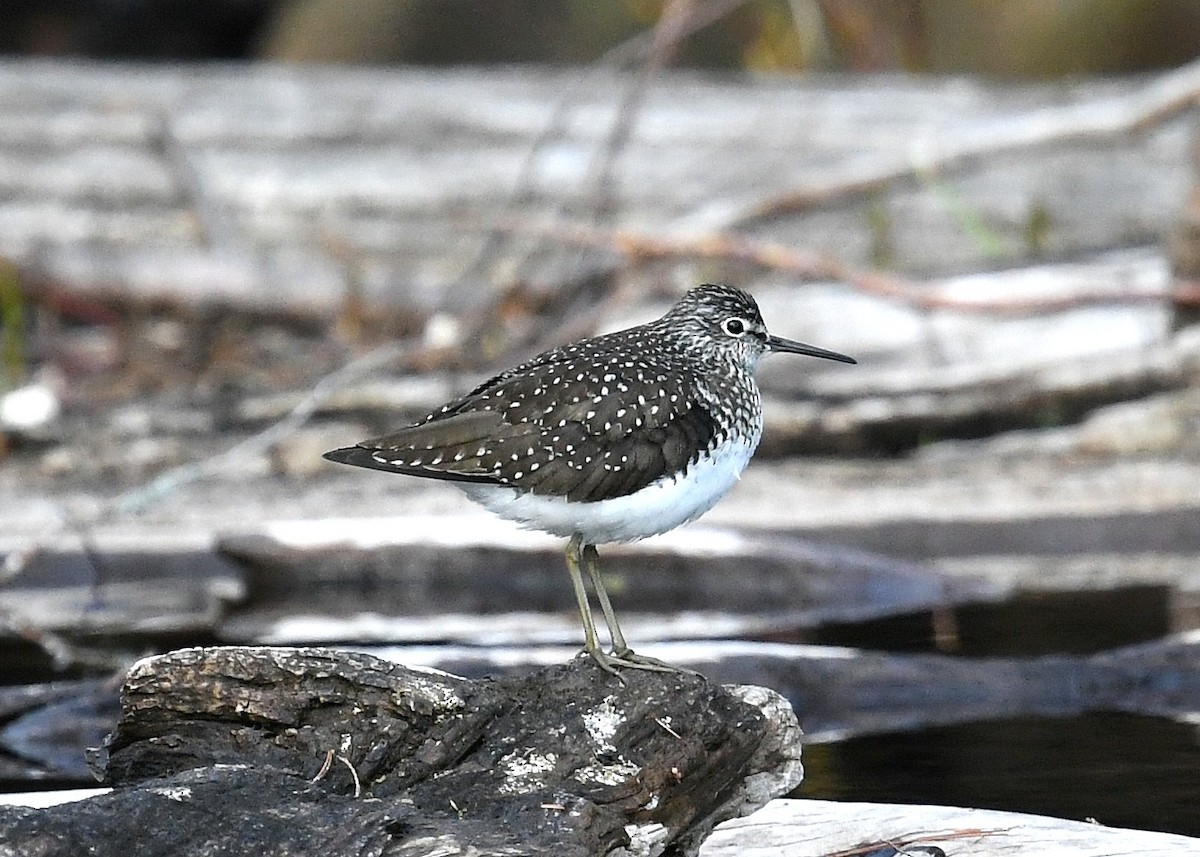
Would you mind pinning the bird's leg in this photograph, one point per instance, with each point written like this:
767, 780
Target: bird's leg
622, 655
591, 564
575, 553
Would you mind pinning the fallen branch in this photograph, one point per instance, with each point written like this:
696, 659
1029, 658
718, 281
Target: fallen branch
731, 247
1098, 119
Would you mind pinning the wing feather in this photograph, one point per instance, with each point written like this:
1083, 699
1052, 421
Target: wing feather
544, 429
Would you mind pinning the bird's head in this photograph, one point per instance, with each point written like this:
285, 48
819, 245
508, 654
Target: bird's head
724, 323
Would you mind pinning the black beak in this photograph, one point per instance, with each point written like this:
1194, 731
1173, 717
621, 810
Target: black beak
775, 343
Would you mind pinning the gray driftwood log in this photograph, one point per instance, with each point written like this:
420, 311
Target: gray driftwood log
817, 828
309, 751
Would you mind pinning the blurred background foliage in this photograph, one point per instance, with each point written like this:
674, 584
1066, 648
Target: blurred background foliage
1003, 38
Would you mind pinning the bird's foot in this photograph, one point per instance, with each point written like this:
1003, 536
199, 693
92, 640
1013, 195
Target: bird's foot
644, 662
628, 659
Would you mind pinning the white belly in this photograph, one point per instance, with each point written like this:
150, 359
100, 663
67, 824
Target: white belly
657, 508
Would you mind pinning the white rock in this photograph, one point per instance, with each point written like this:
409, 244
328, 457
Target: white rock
29, 408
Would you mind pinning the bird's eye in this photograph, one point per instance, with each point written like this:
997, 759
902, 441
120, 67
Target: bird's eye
734, 326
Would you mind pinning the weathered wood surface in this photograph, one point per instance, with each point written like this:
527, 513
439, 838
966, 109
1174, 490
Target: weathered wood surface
298, 191
482, 570
288, 189
222, 750
812, 828
273, 186
823, 828
307, 751
840, 693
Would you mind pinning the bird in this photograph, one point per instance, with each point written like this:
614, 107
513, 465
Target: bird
610, 439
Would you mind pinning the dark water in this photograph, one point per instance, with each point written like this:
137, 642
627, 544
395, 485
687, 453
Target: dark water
1028, 624
1122, 770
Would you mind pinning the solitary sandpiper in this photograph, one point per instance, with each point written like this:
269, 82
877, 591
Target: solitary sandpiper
610, 439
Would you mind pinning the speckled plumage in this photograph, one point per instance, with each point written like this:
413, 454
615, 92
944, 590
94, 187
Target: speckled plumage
613, 438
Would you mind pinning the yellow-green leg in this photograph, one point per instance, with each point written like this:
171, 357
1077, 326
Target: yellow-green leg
591, 563
622, 657
590, 644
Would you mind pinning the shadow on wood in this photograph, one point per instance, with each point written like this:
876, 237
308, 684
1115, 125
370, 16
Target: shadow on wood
310, 751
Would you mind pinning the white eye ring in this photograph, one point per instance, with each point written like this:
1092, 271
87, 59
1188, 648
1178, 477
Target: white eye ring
734, 326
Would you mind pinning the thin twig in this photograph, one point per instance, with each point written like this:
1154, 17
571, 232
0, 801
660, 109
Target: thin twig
353, 774
327, 765
910, 840
667, 726
651, 49
641, 49
139, 498
672, 27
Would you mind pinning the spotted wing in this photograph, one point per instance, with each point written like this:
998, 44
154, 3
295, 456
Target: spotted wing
611, 445
551, 427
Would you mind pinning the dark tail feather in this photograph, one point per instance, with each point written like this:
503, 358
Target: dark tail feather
361, 456
356, 455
